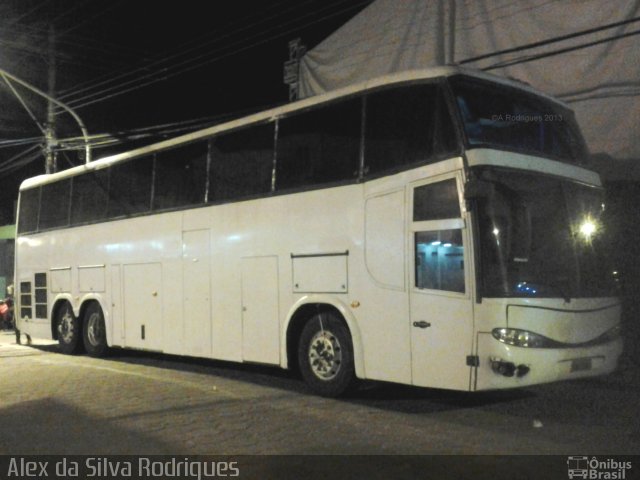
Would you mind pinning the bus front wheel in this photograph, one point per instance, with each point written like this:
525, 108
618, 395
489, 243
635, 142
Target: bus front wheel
93, 332
68, 327
325, 355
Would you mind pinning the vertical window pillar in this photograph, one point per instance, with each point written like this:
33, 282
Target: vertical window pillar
207, 183
363, 126
275, 155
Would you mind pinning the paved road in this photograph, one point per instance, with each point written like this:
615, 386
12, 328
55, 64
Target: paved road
134, 403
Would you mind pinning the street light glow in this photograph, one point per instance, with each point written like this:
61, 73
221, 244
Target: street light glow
588, 228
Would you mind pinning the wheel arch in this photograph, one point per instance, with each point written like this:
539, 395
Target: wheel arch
298, 316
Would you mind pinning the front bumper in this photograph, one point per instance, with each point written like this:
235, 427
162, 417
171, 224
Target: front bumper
530, 366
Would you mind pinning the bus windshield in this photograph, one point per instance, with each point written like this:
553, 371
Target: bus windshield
541, 237
497, 116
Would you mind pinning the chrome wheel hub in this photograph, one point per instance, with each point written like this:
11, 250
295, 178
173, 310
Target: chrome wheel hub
325, 355
65, 327
95, 333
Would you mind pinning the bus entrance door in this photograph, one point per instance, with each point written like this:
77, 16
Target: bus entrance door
441, 310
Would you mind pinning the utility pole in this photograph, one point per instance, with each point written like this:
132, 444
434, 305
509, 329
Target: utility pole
445, 32
51, 161
8, 78
439, 32
292, 68
451, 38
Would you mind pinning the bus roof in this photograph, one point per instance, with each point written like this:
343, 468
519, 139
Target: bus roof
402, 77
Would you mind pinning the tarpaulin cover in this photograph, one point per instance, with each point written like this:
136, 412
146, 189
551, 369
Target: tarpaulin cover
596, 71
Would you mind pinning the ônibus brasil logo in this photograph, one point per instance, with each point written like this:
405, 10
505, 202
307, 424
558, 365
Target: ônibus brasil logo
594, 468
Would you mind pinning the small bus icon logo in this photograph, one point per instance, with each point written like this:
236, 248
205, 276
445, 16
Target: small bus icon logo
578, 467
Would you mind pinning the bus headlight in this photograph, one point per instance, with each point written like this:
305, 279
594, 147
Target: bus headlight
522, 338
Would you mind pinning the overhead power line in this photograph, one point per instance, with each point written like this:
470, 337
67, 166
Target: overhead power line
23, 103
551, 40
202, 60
530, 58
202, 43
20, 160
183, 49
27, 13
19, 142
58, 103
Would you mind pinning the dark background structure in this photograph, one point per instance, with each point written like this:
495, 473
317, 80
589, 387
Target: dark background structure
138, 72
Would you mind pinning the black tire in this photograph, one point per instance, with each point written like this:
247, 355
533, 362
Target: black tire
325, 355
94, 334
69, 331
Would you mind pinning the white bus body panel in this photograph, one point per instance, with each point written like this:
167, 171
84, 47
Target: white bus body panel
196, 297
224, 282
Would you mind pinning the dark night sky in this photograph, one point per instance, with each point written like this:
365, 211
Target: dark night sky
179, 61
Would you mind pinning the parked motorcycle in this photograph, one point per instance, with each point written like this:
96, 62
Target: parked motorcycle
6, 314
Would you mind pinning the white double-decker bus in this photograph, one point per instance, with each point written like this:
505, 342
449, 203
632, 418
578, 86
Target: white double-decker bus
433, 228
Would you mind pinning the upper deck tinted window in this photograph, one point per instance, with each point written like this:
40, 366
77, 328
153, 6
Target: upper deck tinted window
29, 208
180, 176
130, 187
54, 205
502, 117
319, 146
405, 126
89, 197
241, 163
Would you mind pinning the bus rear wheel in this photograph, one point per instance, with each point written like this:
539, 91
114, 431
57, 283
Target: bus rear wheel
325, 355
68, 327
94, 333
